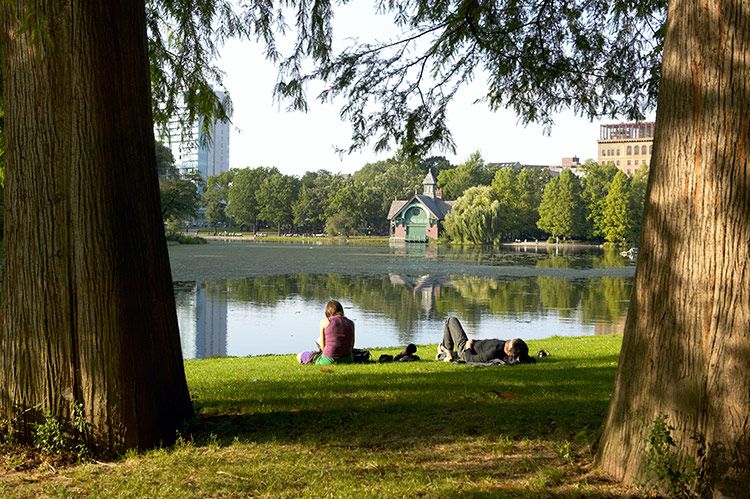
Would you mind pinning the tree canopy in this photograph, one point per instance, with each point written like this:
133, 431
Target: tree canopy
216, 195
594, 189
617, 215
243, 203
399, 90
561, 210
472, 172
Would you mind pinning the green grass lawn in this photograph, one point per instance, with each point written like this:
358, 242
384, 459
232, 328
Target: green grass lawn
267, 426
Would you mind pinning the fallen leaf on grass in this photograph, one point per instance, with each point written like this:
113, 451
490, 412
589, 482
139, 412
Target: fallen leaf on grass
504, 395
326, 370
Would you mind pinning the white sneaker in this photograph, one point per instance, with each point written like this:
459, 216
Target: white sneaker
448, 355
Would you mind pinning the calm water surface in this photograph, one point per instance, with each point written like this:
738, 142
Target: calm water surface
243, 298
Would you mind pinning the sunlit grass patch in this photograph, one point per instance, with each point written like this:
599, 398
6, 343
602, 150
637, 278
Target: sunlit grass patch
269, 427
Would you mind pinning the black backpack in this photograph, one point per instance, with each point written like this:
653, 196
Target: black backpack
361, 356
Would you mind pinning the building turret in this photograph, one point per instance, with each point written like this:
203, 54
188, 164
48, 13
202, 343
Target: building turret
429, 185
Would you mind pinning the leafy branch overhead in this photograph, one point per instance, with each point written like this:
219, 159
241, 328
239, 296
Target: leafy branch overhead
596, 57
538, 57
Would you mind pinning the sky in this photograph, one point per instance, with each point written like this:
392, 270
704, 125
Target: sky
265, 134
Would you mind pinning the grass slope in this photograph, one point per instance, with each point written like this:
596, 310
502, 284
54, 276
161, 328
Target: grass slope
270, 427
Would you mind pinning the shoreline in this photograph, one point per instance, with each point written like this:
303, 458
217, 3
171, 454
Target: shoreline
375, 239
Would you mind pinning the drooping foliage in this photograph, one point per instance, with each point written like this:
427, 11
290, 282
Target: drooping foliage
399, 89
475, 218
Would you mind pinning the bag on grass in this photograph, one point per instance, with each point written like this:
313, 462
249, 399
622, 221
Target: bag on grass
361, 356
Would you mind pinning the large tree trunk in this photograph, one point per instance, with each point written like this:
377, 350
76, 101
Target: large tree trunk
686, 350
88, 314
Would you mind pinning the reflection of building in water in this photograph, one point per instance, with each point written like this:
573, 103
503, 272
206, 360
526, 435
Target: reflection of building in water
202, 318
427, 287
414, 249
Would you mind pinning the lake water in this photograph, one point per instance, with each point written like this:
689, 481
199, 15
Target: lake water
245, 298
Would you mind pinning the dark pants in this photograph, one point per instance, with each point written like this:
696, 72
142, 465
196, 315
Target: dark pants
454, 336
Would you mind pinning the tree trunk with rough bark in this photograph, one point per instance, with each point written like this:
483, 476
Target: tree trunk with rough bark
88, 314
686, 349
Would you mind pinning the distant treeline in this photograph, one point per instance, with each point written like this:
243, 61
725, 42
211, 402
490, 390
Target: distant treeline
493, 203
603, 204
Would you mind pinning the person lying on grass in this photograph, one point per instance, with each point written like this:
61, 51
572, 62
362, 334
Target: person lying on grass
456, 345
336, 339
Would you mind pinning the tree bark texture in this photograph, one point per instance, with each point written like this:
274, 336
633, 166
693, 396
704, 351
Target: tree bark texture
686, 349
88, 314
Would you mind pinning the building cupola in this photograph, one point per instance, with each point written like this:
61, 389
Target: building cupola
429, 185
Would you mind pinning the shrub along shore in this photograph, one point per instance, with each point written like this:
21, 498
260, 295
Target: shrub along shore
267, 426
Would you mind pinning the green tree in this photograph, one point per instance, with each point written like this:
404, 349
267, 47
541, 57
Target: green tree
519, 193
179, 200
310, 206
436, 164
343, 199
380, 183
530, 185
339, 224
617, 216
505, 191
275, 198
366, 196
243, 202
470, 173
165, 162
216, 196
560, 210
595, 186
475, 217
306, 211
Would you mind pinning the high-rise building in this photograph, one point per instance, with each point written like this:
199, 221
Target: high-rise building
626, 145
194, 154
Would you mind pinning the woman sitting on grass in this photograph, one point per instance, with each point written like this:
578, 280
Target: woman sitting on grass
456, 344
336, 340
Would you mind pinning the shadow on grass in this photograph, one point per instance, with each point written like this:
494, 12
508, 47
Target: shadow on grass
371, 406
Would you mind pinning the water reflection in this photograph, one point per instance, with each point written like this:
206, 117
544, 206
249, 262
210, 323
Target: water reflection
202, 318
279, 314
